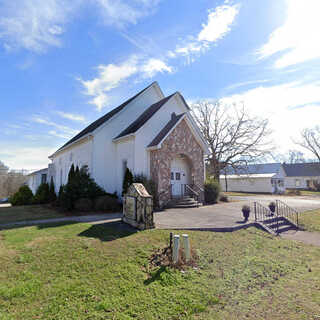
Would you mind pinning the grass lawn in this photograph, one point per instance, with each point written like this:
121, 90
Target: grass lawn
82, 271
310, 220
32, 212
243, 194
310, 193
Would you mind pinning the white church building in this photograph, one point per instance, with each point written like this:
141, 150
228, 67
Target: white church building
150, 134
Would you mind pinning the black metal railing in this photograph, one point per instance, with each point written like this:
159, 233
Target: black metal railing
190, 191
283, 210
261, 213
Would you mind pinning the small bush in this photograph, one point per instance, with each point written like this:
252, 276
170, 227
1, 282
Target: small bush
108, 203
211, 191
80, 185
42, 195
22, 197
52, 192
127, 181
83, 204
224, 198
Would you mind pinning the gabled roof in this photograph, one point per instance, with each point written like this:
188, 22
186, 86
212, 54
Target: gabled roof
38, 171
94, 125
263, 168
143, 118
302, 169
166, 129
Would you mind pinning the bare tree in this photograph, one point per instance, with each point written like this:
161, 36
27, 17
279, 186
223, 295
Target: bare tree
10, 181
296, 156
310, 140
234, 137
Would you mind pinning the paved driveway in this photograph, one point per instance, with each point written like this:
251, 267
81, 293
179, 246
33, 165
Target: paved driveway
223, 216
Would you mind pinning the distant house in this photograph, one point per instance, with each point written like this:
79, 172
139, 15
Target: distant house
151, 134
302, 175
271, 177
257, 178
36, 178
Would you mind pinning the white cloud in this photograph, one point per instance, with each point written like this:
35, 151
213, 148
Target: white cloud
154, 66
68, 132
112, 75
297, 39
289, 107
18, 156
34, 24
219, 24
72, 116
121, 12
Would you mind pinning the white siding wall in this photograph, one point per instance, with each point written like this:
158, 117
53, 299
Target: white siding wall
34, 180
290, 182
79, 155
105, 160
248, 185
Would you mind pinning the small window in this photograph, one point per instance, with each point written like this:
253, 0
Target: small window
178, 176
297, 183
43, 178
172, 176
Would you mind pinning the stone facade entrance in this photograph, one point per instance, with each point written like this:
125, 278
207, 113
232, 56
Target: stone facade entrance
180, 144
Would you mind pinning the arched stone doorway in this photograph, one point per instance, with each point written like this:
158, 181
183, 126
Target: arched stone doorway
180, 174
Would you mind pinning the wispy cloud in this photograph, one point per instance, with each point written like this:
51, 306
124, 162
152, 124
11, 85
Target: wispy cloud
112, 75
72, 116
68, 132
36, 25
121, 13
218, 25
297, 39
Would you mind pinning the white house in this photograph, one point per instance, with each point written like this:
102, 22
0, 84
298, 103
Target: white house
302, 175
150, 134
257, 178
36, 178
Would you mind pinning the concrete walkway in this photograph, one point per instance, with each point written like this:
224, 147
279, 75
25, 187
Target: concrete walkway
93, 219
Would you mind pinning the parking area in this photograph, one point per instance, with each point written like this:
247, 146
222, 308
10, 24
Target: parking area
224, 216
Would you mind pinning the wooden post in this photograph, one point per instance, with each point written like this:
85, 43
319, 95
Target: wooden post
186, 246
171, 237
176, 247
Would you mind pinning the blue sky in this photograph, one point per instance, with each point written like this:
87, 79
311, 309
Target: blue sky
66, 63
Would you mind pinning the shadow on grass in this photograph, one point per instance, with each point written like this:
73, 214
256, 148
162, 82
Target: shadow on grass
156, 276
109, 231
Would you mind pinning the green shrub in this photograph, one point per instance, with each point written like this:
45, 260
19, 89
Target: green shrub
83, 204
80, 185
42, 195
211, 191
107, 203
127, 181
22, 197
52, 192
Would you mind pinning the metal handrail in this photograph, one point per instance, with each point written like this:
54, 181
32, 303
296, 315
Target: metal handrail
194, 192
283, 210
260, 212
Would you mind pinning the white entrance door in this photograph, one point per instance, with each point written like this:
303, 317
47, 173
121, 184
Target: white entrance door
178, 181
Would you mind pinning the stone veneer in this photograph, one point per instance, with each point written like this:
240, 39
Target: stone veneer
180, 141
